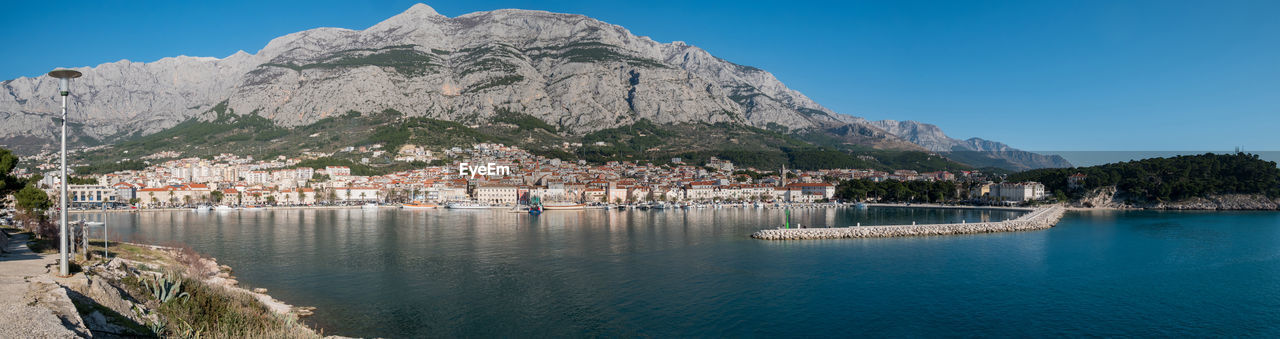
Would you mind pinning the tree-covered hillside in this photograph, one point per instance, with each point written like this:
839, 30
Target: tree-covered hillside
642, 141
1167, 179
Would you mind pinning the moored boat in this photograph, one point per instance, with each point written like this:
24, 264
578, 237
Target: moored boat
560, 206
468, 205
418, 205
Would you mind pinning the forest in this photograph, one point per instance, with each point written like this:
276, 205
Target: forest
901, 191
1166, 179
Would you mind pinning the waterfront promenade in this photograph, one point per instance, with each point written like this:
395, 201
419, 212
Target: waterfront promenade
189, 209
1038, 219
32, 303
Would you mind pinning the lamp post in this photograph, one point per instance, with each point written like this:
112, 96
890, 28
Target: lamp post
64, 77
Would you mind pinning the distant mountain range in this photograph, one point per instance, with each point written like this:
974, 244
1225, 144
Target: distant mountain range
974, 151
576, 74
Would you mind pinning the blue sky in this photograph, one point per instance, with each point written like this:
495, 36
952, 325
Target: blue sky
1045, 76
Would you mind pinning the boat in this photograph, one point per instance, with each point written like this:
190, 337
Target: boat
202, 208
369, 206
468, 205
251, 208
418, 205
223, 208
861, 205
94, 223
562, 206
535, 206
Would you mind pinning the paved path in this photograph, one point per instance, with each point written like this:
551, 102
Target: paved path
31, 304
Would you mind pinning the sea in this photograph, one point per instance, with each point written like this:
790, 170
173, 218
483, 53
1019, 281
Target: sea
696, 273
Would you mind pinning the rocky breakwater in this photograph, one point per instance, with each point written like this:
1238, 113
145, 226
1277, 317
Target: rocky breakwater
1040, 218
1224, 202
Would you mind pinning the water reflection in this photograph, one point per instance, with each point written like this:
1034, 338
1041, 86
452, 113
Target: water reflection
412, 273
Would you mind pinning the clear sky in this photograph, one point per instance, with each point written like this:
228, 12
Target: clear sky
1044, 76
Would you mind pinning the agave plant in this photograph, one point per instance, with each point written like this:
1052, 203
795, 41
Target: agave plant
157, 327
165, 290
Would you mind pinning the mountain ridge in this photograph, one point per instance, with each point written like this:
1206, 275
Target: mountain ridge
572, 71
975, 151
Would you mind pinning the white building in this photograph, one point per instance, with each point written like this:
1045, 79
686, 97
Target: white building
90, 195
497, 194
356, 193
1022, 191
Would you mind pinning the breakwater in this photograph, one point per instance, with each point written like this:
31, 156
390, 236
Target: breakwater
1040, 218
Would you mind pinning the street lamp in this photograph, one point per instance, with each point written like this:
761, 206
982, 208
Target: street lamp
64, 88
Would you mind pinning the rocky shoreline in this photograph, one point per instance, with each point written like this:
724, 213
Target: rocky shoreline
113, 297
1041, 218
1110, 198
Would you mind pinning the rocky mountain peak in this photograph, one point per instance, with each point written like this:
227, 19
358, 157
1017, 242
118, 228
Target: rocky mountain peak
416, 16
420, 10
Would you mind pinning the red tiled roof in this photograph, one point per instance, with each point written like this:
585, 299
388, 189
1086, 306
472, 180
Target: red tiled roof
809, 184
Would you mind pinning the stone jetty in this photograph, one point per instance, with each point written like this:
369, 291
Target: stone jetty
1038, 219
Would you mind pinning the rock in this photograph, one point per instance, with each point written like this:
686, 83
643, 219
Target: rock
1103, 197
303, 311
1110, 197
1038, 219
54, 298
1223, 202
259, 290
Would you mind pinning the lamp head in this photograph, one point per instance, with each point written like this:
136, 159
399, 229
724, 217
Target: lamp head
64, 79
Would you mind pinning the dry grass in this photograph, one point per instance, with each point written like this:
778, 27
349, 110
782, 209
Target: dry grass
195, 264
215, 312
210, 311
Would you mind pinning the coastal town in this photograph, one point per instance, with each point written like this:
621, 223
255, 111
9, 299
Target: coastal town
485, 174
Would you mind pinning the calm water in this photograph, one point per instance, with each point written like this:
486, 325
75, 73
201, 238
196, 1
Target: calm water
449, 273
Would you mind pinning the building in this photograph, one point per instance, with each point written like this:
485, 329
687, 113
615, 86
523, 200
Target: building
350, 194
337, 171
497, 194
125, 192
300, 196
90, 195
811, 191
1017, 192
700, 190
720, 164
1076, 180
157, 196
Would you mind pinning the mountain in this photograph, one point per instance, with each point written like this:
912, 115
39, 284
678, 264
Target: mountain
577, 74
974, 151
